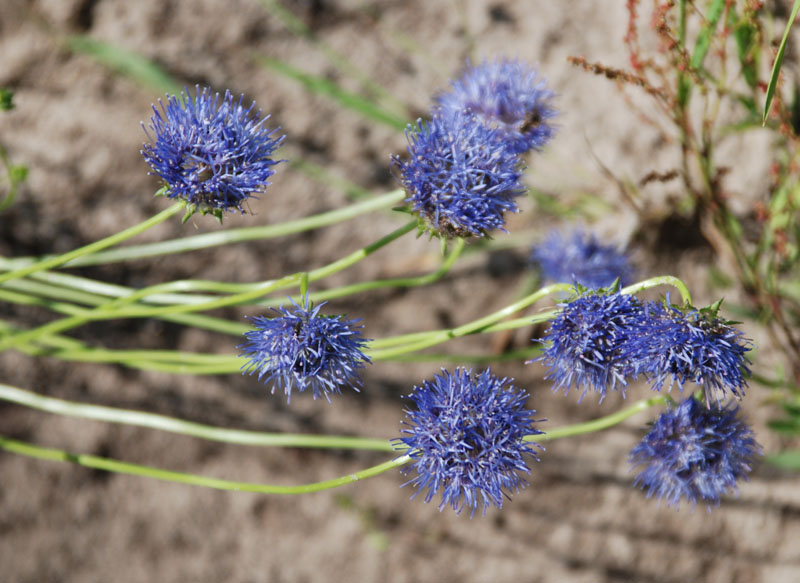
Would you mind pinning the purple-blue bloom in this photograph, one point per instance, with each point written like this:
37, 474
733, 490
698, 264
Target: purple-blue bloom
460, 177
580, 258
301, 348
213, 154
507, 95
585, 345
694, 452
465, 435
689, 345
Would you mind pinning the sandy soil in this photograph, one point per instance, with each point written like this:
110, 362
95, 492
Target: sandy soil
77, 127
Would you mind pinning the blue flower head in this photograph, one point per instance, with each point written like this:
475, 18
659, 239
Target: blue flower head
585, 345
301, 349
507, 95
695, 453
460, 177
465, 435
690, 345
580, 258
213, 154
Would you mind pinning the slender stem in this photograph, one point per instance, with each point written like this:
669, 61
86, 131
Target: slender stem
51, 262
686, 296
601, 423
172, 425
110, 465
418, 341
111, 310
228, 236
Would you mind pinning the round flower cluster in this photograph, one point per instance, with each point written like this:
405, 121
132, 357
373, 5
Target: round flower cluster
463, 168
508, 95
460, 178
695, 452
602, 338
466, 436
581, 259
301, 349
212, 154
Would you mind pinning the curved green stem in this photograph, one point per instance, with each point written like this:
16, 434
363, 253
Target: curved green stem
228, 236
172, 425
686, 296
51, 262
115, 309
388, 348
601, 423
110, 465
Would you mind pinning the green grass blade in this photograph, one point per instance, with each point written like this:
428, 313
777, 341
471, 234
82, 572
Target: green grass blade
776, 67
701, 46
125, 62
299, 28
331, 90
788, 460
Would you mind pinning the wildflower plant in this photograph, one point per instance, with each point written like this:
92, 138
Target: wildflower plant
695, 453
683, 345
507, 95
467, 437
460, 176
587, 342
581, 258
212, 153
300, 349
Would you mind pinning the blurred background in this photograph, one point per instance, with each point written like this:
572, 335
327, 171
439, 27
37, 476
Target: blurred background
85, 74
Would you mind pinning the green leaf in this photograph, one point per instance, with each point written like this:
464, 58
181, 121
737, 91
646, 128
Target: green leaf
6, 99
125, 62
776, 67
745, 33
331, 90
789, 460
701, 47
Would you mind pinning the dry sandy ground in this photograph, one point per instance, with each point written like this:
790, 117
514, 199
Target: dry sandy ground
77, 127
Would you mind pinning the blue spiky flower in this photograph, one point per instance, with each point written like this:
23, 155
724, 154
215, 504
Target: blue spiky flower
460, 177
507, 95
580, 258
212, 153
689, 345
465, 435
695, 453
585, 346
302, 349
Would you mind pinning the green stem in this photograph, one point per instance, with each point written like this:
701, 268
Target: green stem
110, 465
172, 425
51, 262
229, 236
673, 281
112, 310
601, 423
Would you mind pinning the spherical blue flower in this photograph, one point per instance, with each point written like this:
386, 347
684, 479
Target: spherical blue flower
694, 452
689, 346
460, 178
301, 349
585, 345
507, 95
466, 437
581, 258
212, 154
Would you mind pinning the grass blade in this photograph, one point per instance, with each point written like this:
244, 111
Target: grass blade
331, 90
125, 62
776, 67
